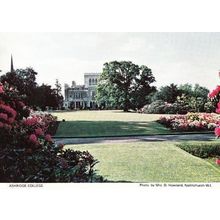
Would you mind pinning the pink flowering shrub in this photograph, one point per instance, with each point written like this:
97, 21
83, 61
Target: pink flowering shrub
48, 121
215, 96
215, 93
28, 152
191, 122
1, 89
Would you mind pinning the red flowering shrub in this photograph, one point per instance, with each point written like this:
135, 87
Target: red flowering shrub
1, 89
217, 131
27, 151
39, 132
215, 96
217, 161
48, 121
215, 93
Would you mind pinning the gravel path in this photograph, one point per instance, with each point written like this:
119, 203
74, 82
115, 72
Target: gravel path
153, 138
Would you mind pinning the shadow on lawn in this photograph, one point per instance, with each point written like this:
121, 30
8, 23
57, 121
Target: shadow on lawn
108, 128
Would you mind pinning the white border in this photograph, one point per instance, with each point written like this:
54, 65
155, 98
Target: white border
108, 201
109, 15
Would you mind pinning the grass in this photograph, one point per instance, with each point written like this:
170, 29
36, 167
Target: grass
105, 115
212, 162
107, 123
149, 162
108, 128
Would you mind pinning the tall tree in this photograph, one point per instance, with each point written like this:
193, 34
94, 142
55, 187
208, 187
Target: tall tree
58, 93
200, 91
125, 85
168, 93
45, 96
186, 89
24, 80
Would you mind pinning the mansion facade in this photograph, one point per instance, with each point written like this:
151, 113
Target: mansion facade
82, 96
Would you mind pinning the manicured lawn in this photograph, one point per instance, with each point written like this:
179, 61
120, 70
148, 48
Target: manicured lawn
105, 115
149, 162
108, 128
107, 123
212, 162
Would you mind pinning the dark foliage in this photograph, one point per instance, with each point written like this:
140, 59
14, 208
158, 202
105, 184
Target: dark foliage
168, 93
203, 150
24, 81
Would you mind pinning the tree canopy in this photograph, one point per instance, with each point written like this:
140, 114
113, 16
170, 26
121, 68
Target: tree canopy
193, 96
171, 92
24, 81
167, 93
125, 85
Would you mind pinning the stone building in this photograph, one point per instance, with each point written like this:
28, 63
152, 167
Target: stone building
82, 96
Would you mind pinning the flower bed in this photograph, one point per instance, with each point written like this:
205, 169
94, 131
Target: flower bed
191, 122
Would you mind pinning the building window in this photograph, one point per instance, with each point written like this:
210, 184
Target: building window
93, 94
90, 82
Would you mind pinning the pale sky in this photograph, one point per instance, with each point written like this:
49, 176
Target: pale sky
173, 57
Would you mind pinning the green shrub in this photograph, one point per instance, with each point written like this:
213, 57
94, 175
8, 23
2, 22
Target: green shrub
179, 107
203, 150
161, 107
156, 107
209, 107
